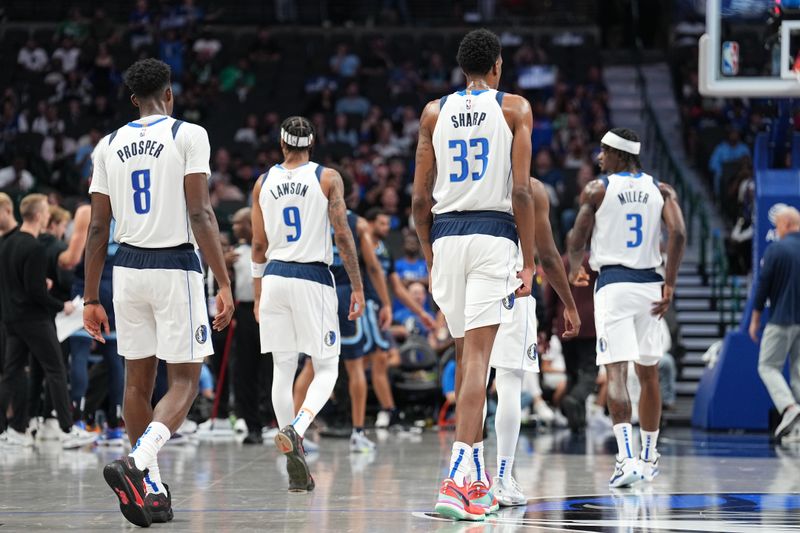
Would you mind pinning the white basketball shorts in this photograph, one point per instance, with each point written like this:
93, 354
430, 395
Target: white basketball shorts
160, 304
515, 345
626, 329
297, 311
473, 276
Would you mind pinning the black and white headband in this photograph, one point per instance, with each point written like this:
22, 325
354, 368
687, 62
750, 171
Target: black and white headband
295, 140
615, 141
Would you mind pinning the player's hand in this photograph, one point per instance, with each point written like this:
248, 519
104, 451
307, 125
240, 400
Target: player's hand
224, 309
356, 305
255, 311
385, 317
428, 321
69, 308
95, 318
579, 278
660, 307
49, 284
526, 275
755, 325
230, 258
572, 323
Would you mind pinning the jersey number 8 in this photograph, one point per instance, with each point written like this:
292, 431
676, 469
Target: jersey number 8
140, 180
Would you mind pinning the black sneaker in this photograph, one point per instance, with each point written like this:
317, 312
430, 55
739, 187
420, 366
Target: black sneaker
575, 413
160, 506
253, 437
290, 444
128, 484
397, 424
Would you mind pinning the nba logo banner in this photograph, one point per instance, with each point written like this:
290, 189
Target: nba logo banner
730, 58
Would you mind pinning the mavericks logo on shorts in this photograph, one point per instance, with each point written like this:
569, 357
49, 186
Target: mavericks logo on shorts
330, 338
201, 334
508, 301
532, 352
602, 344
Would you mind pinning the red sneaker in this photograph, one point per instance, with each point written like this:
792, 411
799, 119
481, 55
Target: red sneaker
454, 503
482, 496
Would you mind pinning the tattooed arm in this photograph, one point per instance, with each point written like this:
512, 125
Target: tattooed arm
333, 188
424, 178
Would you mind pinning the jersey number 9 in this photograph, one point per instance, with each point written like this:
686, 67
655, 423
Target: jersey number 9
291, 216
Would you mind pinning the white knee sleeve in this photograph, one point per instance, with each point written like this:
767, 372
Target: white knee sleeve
509, 410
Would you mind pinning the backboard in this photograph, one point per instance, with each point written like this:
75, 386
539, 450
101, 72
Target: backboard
751, 48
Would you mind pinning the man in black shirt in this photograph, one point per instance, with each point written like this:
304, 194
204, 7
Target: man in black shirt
27, 315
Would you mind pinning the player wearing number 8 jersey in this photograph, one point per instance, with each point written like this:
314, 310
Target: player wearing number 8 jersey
472, 200
151, 175
294, 206
624, 212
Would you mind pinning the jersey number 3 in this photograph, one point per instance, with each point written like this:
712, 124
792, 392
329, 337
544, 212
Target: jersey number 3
140, 179
636, 228
460, 157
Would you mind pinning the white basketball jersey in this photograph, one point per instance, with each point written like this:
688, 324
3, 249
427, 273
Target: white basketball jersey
472, 145
296, 215
141, 167
627, 227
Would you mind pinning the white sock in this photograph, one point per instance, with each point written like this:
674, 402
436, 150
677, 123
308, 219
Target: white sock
649, 440
326, 371
460, 463
504, 466
284, 367
479, 464
153, 478
623, 432
149, 443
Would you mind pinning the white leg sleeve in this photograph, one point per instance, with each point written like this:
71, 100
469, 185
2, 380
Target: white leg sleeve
509, 412
284, 368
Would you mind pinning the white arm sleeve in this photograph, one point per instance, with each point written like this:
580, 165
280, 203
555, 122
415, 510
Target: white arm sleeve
99, 176
196, 149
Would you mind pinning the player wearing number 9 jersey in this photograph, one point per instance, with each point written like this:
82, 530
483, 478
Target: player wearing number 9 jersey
295, 205
624, 212
472, 199
151, 175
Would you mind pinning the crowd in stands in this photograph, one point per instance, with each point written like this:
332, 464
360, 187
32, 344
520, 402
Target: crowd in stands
363, 93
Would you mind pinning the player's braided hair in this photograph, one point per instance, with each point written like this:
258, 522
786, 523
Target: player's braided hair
147, 78
298, 127
632, 161
478, 51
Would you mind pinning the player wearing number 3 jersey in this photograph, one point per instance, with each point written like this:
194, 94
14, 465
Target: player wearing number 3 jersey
295, 205
472, 201
151, 175
624, 212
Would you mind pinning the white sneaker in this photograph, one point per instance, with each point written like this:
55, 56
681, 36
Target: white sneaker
649, 467
627, 472
383, 419
15, 438
559, 420
543, 411
508, 492
359, 443
790, 417
188, 427
268, 434
216, 425
49, 430
240, 426
310, 447
77, 438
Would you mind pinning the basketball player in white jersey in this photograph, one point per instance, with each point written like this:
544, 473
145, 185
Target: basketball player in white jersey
295, 204
151, 176
472, 166
624, 212
515, 352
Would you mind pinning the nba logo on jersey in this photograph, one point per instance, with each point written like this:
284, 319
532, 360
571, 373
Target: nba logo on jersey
602, 344
201, 334
508, 301
330, 338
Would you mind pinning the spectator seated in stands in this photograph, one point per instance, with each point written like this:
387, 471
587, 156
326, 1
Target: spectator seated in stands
15, 179
32, 57
411, 267
731, 149
406, 322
